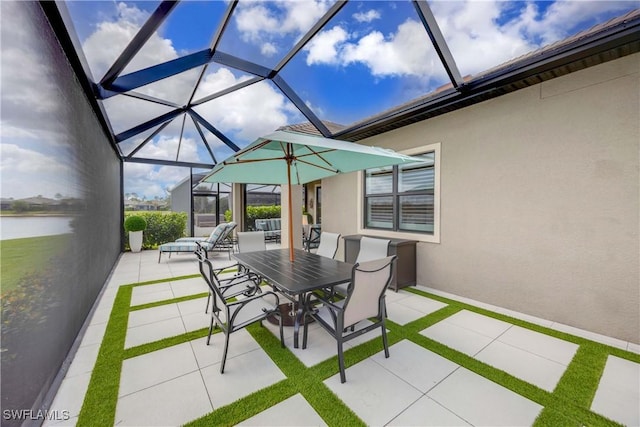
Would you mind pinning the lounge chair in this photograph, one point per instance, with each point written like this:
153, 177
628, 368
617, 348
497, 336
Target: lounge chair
189, 244
225, 242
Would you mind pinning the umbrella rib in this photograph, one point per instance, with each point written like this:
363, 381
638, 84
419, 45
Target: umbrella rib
318, 166
252, 149
318, 154
237, 161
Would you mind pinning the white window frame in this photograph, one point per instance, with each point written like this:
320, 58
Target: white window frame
421, 237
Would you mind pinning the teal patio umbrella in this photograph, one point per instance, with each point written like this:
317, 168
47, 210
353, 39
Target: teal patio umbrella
294, 158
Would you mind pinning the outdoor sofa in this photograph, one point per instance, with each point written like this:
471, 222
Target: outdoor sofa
271, 226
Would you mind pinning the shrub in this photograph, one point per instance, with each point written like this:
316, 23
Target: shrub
256, 212
260, 212
135, 223
162, 227
20, 206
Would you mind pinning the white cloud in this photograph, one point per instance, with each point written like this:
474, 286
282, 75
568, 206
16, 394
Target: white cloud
562, 17
30, 95
255, 20
324, 47
367, 16
27, 172
166, 147
474, 38
151, 181
479, 40
477, 37
406, 52
242, 115
268, 49
247, 113
262, 25
34, 146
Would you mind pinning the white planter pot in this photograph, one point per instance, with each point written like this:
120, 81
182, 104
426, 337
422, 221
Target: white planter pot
135, 241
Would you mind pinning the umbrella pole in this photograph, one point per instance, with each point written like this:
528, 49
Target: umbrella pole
290, 208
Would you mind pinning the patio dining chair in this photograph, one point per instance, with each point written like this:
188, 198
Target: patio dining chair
328, 244
371, 248
311, 236
230, 311
365, 300
251, 241
241, 281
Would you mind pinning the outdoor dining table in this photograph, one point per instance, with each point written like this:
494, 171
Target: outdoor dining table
295, 279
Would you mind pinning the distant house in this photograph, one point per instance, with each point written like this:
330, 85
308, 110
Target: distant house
5, 204
41, 203
145, 205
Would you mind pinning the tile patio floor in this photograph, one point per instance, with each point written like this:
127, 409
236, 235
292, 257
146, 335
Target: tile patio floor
415, 386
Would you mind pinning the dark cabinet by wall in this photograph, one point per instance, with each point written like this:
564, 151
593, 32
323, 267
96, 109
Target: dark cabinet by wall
405, 250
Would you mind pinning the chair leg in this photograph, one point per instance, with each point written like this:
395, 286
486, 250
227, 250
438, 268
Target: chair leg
224, 354
210, 328
343, 375
305, 329
281, 331
384, 340
208, 299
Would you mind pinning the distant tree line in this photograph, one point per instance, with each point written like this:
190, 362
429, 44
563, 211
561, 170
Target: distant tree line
42, 205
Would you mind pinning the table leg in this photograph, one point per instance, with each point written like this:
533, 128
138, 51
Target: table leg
299, 319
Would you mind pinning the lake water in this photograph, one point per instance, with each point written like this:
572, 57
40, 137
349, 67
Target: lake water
12, 227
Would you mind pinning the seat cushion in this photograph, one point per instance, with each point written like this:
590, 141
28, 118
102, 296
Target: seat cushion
178, 247
192, 239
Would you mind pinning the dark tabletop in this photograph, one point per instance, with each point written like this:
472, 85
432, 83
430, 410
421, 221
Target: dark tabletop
306, 273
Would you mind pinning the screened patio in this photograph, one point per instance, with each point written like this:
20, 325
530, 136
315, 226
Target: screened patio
525, 309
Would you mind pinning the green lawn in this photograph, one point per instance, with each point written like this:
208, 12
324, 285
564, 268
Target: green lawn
21, 256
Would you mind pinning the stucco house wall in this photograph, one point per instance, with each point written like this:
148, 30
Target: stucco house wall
539, 200
181, 201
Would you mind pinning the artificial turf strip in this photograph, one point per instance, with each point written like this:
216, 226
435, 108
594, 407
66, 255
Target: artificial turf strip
247, 406
101, 398
168, 301
568, 404
164, 343
576, 389
307, 381
623, 354
574, 392
171, 279
300, 379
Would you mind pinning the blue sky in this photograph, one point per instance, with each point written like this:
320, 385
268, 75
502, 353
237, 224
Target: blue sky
373, 55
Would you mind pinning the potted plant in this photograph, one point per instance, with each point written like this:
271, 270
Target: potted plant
135, 225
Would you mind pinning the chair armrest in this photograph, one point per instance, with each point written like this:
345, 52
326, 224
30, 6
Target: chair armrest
221, 269
238, 276
324, 300
251, 284
245, 301
241, 270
